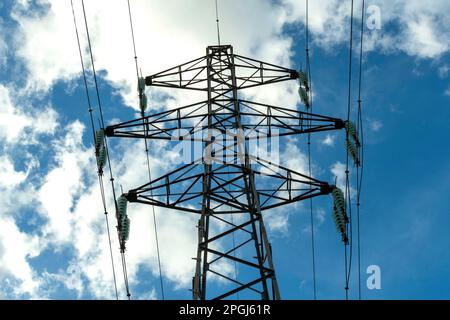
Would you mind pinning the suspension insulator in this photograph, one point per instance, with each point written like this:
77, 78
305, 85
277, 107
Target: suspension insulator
121, 207
352, 133
340, 224
101, 158
99, 140
339, 214
141, 85
125, 229
304, 96
122, 218
339, 200
338, 220
303, 80
352, 151
143, 102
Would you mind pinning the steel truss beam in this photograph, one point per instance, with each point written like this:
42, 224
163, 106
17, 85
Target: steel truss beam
189, 123
181, 188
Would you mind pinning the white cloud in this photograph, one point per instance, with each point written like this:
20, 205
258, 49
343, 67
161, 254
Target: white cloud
14, 121
16, 194
71, 204
327, 19
423, 40
329, 140
277, 220
338, 170
63, 183
151, 295
447, 92
154, 24
46, 43
295, 159
375, 125
423, 32
178, 245
70, 278
45, 122
17, 278
292, 157
443, 71
319, 215
16, 247
9, 177
422, 27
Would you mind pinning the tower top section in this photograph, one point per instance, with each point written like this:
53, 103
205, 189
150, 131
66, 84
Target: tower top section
218, 63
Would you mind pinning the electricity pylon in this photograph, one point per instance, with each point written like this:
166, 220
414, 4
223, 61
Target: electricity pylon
228, 186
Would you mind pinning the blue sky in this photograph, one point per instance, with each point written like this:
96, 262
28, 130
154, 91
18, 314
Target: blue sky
52, 232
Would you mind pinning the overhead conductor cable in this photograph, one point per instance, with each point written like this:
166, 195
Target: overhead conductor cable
100, 151
122, 243
143, 108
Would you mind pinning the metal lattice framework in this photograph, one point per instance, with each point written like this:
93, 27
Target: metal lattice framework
228, 186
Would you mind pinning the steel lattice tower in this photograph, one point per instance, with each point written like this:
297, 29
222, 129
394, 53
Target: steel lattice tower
229, 187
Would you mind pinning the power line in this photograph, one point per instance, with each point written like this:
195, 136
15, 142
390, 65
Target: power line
308, 71
100, 176
122, 249
132, 37
155, 225
141, 97
347, 181
93, 66
109, 233
359, 154
359, 173
217, 22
